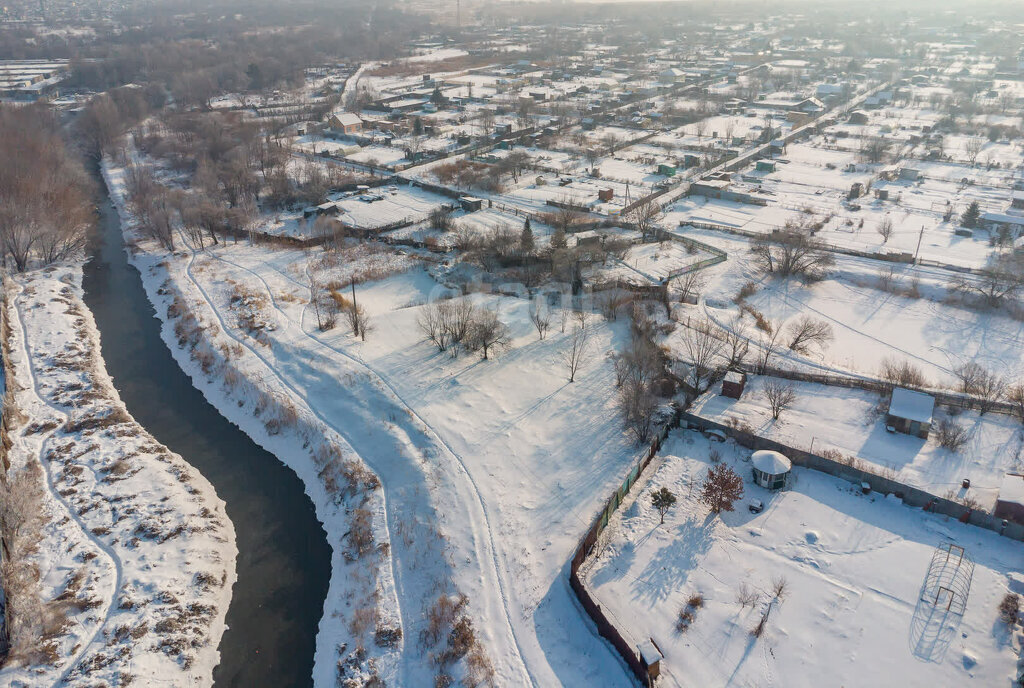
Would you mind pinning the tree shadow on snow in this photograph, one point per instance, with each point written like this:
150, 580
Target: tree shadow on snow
669, 567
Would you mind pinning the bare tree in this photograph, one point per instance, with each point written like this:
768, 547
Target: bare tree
646, 217
486, 121
1015, 395
486, 332
44, 199
794, 253
903, 373
874, 149
576, 354
780, 395
972, 148
541, 319
990, 389
768, 346
591, 155
446, 324
737, 344
430, 321
703, 348
321, 300
806, 331
638, 405
691, 284
1001, 279
22, 519
969, 375
885, 228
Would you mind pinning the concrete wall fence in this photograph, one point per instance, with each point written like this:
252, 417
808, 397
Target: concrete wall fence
911, 496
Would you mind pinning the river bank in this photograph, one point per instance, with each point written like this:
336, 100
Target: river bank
134, 554
360, 636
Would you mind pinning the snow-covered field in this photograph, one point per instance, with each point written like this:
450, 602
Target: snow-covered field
651, 263
854, 568
137, 556
489, 469
869, 325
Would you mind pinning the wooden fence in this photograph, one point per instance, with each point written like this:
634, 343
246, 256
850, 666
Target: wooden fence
617, 637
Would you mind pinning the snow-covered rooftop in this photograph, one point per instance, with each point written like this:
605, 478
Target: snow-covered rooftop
770, 462
649, 652
912, 405
1011, 490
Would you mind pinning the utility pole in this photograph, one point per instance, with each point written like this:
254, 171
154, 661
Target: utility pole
918, 249
355, 310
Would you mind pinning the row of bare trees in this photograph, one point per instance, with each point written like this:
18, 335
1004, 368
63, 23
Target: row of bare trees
456, 324
44, 190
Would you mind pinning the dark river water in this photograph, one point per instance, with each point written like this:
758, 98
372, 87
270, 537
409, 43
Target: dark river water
283, 556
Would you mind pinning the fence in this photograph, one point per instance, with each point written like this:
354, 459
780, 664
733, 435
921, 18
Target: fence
911, 496
833, 248
605, 627
945, 398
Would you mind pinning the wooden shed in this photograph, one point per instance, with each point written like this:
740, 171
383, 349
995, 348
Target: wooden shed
650, 658
733, 384
1010, 502
910, 412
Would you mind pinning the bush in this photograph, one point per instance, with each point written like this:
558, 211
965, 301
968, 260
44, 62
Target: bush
903, 373
1009, 608
686, 618
951, 435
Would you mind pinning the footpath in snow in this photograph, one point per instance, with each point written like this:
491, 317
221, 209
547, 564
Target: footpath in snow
489, 471
136, 555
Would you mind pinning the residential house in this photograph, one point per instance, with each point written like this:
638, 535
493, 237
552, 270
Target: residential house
347, 123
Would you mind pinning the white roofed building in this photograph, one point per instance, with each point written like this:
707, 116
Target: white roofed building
910, 412
771, 469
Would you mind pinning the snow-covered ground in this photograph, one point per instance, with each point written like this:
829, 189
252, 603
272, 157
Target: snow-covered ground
869, 325
854, 568
852, 421
137, 556
489, 470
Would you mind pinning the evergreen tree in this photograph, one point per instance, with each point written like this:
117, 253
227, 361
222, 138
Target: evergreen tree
526, 238
663, 500
971, 215
558, 240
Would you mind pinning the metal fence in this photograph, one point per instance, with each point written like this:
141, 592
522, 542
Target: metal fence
617, 637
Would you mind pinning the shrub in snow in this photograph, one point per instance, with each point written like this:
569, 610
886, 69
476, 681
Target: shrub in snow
951, 435
1009, 608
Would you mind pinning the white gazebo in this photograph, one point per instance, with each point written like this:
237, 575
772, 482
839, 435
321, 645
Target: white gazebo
771, 469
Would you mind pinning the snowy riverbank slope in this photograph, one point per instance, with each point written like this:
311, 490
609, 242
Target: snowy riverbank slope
136, 556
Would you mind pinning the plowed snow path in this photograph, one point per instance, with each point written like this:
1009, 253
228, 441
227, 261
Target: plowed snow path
306, 366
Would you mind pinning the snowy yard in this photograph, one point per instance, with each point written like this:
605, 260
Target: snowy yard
852, 421
651, 263
853, 565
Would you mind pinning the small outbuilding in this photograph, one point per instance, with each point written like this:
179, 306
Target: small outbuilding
1010, 502
650, 658
771, 469
910, 412
733, 384
471, 204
